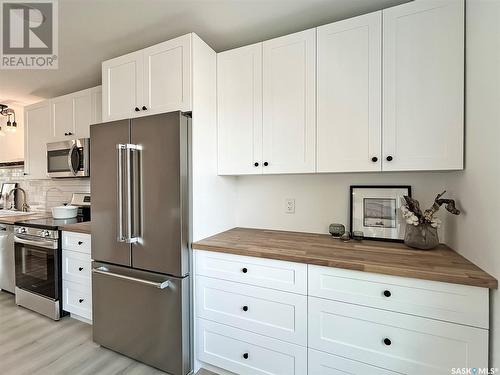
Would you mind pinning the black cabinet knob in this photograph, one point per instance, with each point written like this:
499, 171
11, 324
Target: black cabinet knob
65, 133
144, 108
80, 300
244, 270
70, 133
245, 355
245, 308
80, 243
389, 158
137, 109
387, 293
266, 164
374, 159
80, 268
256, 164
387, 341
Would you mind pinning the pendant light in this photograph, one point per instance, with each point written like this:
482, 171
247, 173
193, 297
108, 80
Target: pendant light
11, 125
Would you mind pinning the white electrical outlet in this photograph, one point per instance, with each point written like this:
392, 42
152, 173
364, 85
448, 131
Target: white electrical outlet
290, 205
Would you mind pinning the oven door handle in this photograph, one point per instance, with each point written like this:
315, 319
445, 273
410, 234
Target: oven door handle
39, 243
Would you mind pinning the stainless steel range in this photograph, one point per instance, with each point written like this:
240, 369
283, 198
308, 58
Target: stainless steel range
38, 270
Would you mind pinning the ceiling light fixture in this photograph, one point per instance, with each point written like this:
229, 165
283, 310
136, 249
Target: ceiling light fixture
8, 112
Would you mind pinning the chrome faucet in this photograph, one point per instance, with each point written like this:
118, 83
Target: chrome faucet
25, 206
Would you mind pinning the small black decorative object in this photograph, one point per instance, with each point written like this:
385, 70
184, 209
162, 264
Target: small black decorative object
337, 230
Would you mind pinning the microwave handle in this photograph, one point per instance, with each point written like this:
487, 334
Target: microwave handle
70, 161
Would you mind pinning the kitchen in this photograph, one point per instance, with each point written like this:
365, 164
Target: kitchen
238, 193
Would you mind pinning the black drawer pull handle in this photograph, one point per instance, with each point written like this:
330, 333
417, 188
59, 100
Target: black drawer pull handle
137, 109
387, 293
245, 308
244, 270
387, 341
256, 164
80, 268
266, 164
144, 108
80, 243
389, 158
81, 300
245, 355
374, 159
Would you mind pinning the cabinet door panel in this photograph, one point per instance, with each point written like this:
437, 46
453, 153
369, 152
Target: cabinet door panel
82, 114
423, 85
167, 76
289, 99
122, 86
349, 95
239, 110
37, 133
61, 118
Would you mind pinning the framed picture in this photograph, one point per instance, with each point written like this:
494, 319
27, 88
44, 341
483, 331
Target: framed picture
375, 211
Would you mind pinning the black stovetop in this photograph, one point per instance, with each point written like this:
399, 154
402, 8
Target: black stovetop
48, 223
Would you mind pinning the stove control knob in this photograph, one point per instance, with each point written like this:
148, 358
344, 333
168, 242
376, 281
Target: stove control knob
45, 233
21, 230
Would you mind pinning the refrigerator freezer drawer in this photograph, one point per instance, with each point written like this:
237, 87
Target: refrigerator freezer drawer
142, 315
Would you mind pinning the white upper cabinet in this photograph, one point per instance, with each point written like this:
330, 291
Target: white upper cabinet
239, 109
122, 85
423, 86
349, 95
36, 134
153, 80
289, 103
72, 114
96, 97
167, 77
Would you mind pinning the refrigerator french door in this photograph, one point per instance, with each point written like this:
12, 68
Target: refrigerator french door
140, 239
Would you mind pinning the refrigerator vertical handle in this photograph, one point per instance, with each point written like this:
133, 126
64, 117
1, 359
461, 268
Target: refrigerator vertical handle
131, 232
119, 153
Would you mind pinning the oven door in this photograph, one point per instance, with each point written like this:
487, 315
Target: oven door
36, 264
68, 158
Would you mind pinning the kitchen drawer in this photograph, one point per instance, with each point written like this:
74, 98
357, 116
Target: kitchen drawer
268, 273
77, 299
321, 363
76, 267
76, 242
268, 312
247, 353
449, 302
398, 342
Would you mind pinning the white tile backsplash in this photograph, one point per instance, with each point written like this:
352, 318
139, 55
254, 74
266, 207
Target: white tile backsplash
42, 195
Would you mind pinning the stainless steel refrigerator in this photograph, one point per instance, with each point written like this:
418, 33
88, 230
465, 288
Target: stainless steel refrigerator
140, 239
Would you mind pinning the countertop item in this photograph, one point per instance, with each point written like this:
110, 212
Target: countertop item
64, 212
11, 219
78, 227
389, 258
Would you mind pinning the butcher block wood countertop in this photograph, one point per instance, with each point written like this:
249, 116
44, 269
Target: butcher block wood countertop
83, 227
389, 258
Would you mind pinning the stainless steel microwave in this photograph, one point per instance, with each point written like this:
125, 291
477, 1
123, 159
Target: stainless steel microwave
69, 158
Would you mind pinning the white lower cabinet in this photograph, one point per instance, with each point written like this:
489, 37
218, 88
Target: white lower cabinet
399, 342
263, 316
76, 275
247, 353
265, 311
321, 363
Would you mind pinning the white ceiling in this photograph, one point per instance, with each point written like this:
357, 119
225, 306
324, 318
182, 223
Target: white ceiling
91, 31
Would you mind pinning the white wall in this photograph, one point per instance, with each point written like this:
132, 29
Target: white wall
12, 145
320, 199
477, 189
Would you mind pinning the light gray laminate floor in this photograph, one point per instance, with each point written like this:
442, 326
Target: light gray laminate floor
32, 344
